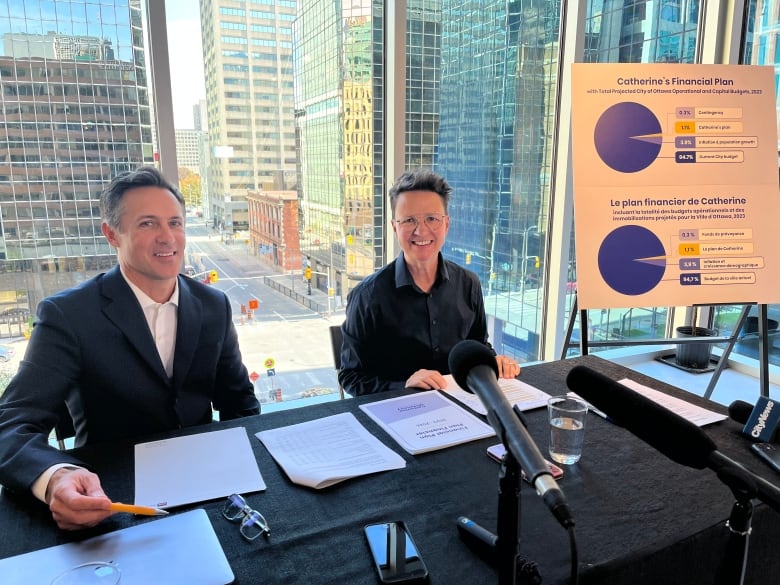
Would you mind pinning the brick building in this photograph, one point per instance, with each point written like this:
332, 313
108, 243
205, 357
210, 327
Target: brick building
273, 228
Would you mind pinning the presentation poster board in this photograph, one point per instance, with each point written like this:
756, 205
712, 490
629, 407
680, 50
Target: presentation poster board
676, 196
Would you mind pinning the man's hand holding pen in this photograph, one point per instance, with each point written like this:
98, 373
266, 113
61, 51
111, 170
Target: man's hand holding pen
76, 498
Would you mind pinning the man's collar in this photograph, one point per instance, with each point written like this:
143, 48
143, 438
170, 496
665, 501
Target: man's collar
404, 278
144, 299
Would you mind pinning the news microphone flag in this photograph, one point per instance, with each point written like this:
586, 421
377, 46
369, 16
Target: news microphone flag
763, 420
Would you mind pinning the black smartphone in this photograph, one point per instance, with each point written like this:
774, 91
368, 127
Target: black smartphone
396, 557
769, 452
497, 453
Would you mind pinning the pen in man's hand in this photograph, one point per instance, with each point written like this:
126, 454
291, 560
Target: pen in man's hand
141, 510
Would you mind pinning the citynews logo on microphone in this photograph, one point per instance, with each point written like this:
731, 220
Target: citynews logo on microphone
763, 420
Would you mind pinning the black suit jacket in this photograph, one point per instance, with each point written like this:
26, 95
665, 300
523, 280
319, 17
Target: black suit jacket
91, 348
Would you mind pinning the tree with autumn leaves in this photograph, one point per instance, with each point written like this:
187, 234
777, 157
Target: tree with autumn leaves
189, 185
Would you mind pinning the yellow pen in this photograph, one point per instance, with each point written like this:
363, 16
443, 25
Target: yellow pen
141, 510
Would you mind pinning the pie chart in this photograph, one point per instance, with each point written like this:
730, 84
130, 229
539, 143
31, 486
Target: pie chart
628, 137
632, 260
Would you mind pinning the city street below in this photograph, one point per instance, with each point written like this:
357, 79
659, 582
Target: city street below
283, 337
282, 333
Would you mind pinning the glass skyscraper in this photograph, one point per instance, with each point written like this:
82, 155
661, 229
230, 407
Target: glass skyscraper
75, 112
498, 93
340, 118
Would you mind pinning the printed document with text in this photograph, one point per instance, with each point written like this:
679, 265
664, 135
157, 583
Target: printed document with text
525, 396
321, 452
426, 421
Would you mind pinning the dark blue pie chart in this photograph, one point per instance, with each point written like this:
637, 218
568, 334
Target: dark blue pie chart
632, 260
628, 137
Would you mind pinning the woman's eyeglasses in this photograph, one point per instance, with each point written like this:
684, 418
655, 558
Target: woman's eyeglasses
253, 523
433, 221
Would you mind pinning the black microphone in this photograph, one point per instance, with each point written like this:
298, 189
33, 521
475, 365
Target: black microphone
761, 421
474, 368
677, 438
739, 410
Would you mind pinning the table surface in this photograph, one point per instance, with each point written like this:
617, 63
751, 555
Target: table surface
640, 518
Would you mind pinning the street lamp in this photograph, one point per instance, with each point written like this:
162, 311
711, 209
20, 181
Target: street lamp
492, 259
331, 268
524, 267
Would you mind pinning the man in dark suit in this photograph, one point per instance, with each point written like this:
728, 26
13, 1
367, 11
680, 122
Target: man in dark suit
137, 350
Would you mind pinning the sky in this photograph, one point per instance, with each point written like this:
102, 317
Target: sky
186, 59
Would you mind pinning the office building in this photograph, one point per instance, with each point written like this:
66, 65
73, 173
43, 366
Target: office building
273, 229
497, 97
340, 117
75, 112
247, 50
199, 116
188, 149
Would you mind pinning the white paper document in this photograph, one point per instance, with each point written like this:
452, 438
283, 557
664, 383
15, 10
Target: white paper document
525, 396
195, 468
321, 452
426, 421
695, 414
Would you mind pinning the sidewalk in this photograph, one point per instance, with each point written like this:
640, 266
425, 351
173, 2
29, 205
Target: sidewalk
317, 301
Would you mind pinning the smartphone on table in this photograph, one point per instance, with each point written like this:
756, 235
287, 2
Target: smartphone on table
497, 453
769, 452
396, 557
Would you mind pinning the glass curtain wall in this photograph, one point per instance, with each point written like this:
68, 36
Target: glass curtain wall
75, 112
499, 64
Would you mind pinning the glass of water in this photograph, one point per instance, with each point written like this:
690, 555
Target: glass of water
567, 428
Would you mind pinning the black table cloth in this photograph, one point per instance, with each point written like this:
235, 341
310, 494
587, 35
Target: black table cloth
640, 517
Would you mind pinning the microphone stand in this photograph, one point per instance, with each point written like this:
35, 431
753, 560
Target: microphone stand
503, 549
508, 525
732, 570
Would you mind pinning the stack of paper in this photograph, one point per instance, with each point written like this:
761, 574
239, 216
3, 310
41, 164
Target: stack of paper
426, 421
328, 450
692, 413
525, 396
195, 468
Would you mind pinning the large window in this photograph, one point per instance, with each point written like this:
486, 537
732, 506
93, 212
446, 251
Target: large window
282, 130
75, 112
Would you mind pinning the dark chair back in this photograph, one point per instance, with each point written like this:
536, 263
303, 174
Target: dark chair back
64, 427
336, 340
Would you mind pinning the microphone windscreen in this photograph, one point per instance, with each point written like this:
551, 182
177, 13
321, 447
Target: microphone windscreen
763, 420
677, 438
465, 356
740, 411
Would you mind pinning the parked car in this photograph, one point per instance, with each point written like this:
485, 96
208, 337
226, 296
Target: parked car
6, 353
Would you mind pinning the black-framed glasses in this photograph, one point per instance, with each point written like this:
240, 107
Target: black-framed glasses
253, 523
433, 221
